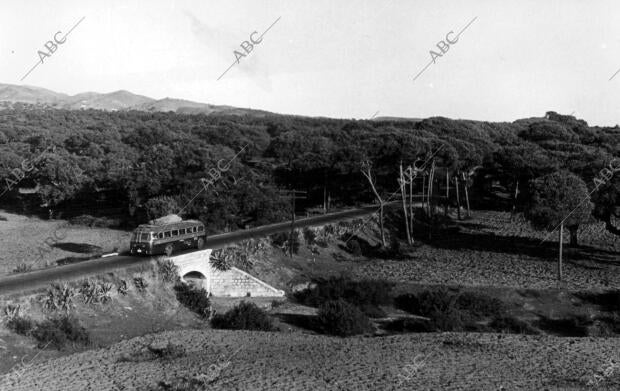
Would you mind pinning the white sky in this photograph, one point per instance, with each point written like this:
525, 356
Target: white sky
338, 58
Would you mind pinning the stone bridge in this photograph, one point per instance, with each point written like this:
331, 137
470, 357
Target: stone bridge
195, 267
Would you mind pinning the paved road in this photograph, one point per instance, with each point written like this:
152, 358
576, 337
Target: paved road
42, 278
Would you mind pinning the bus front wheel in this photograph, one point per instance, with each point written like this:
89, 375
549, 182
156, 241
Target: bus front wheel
168, 250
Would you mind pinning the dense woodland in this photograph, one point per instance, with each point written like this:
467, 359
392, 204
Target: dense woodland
126, 165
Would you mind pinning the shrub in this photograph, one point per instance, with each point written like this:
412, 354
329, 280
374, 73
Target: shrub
140, 284
437, 304
365, 292
94, 292
451, 311
480, 306
609, 300
282, 241
372, 311
221, 260
309, 236
168, 352
337, 317
168, 270
91, 221
20, 325
512, 325
355, 248
59, 297
197, 300
244, 316
122, 287
60, 330
22, 268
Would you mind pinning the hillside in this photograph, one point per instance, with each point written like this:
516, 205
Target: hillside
114, 101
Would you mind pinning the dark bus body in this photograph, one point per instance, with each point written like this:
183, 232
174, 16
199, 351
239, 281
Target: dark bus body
150, 239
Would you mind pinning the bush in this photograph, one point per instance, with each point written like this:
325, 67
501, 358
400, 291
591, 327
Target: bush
365, 292
309, 236
168, 270
59, 297
140, 284
480, 306
437, 304
22, 268
197, 300
60, 330
244, 316
355, 248
20, 325
337, 317
282, 241
512, 325
451, 311
95, 292
91, 221
372, 311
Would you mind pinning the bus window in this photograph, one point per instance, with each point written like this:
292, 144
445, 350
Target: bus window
182, 231
195, 229
175, 232
160, 235
167, 234
201, 228
144, 237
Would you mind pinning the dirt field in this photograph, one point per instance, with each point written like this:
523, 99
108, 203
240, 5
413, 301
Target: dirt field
491, 251
23, 241
279, 361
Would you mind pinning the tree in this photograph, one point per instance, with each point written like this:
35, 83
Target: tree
559, 199
607, 204
161, 206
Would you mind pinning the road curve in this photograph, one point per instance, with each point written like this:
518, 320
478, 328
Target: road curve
38, 279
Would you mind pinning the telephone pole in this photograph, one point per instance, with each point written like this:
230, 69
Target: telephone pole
295, 195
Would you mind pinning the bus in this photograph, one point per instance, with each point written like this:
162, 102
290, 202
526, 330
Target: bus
149, 239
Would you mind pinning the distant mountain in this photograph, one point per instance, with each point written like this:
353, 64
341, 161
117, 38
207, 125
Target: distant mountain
114, 101
396, 119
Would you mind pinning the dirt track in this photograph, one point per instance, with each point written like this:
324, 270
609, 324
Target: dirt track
279, 361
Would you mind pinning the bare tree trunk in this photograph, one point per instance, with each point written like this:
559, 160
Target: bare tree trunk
381, 224
466, 194
561, 234
514, 202
367, 173
423, 191
458, 197
324, 193
403, 192
411, 202
445, 212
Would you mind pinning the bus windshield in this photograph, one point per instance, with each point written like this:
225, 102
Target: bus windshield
144, 237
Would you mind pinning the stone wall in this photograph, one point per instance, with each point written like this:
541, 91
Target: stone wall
231, 283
